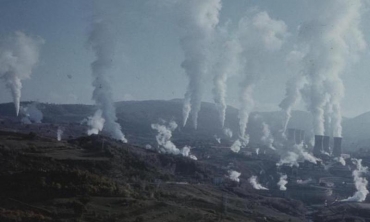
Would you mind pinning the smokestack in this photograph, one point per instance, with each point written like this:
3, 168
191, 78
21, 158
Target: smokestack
291, 135
318, 145
325, 144
297, 136
337, 149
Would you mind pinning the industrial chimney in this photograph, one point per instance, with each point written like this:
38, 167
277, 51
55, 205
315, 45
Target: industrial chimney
325, 144
337, 149
317, 149
302, 135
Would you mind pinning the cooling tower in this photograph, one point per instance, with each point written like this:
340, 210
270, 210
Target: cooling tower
325, 144
337, 148
317, 149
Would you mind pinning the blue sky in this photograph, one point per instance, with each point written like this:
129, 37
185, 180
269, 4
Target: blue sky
148, 54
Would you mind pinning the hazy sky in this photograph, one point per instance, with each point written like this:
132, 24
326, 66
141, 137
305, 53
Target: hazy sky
148, 53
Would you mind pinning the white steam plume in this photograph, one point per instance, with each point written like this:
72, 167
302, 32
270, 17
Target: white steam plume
165, 145
333, 40
282, 182
235, 147
59, 133
258, 36
225, 67
253, 181
360, 182
19, 54
228, 132
32, 114
95, 123
267, 139
198, 20
295, 155
234, 175
102, 43
292, 97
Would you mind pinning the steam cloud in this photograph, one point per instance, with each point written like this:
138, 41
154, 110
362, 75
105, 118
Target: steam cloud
253, 181
293, 96
331, 42
165, 145
282, 182
267, 139
198, 20
296, 155
19, 54
31, 114
257, 35
59, 134
360, 182
102, 43
234, 175
225, 67
95, 123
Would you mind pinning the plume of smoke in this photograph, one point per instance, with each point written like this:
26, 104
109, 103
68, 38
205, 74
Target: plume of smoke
253, 181
267, 138
19, 54
165, 145
226, 66
282, 182
304, 181
31, 113
360, 182
234, 175
296, 155
257, 151
59, 133
148, 147
332, 40
95, 123
102, 43
217, 139
292, 97
235, 147
257, 35
228, 132
198, 19
186, 152
340, 160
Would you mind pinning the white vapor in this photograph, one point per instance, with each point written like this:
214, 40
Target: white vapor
267, 139
59, 134
165, 145
31, 114
102, 43
253, 181
226, 66
282, 182
292, 97
360, 182
258, 35
19, 54
95, 123
198, 20
333, 40
228, 132
234, 175
295, 155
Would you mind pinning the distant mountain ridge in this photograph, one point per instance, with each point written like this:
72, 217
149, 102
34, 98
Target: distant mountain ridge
137, 116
